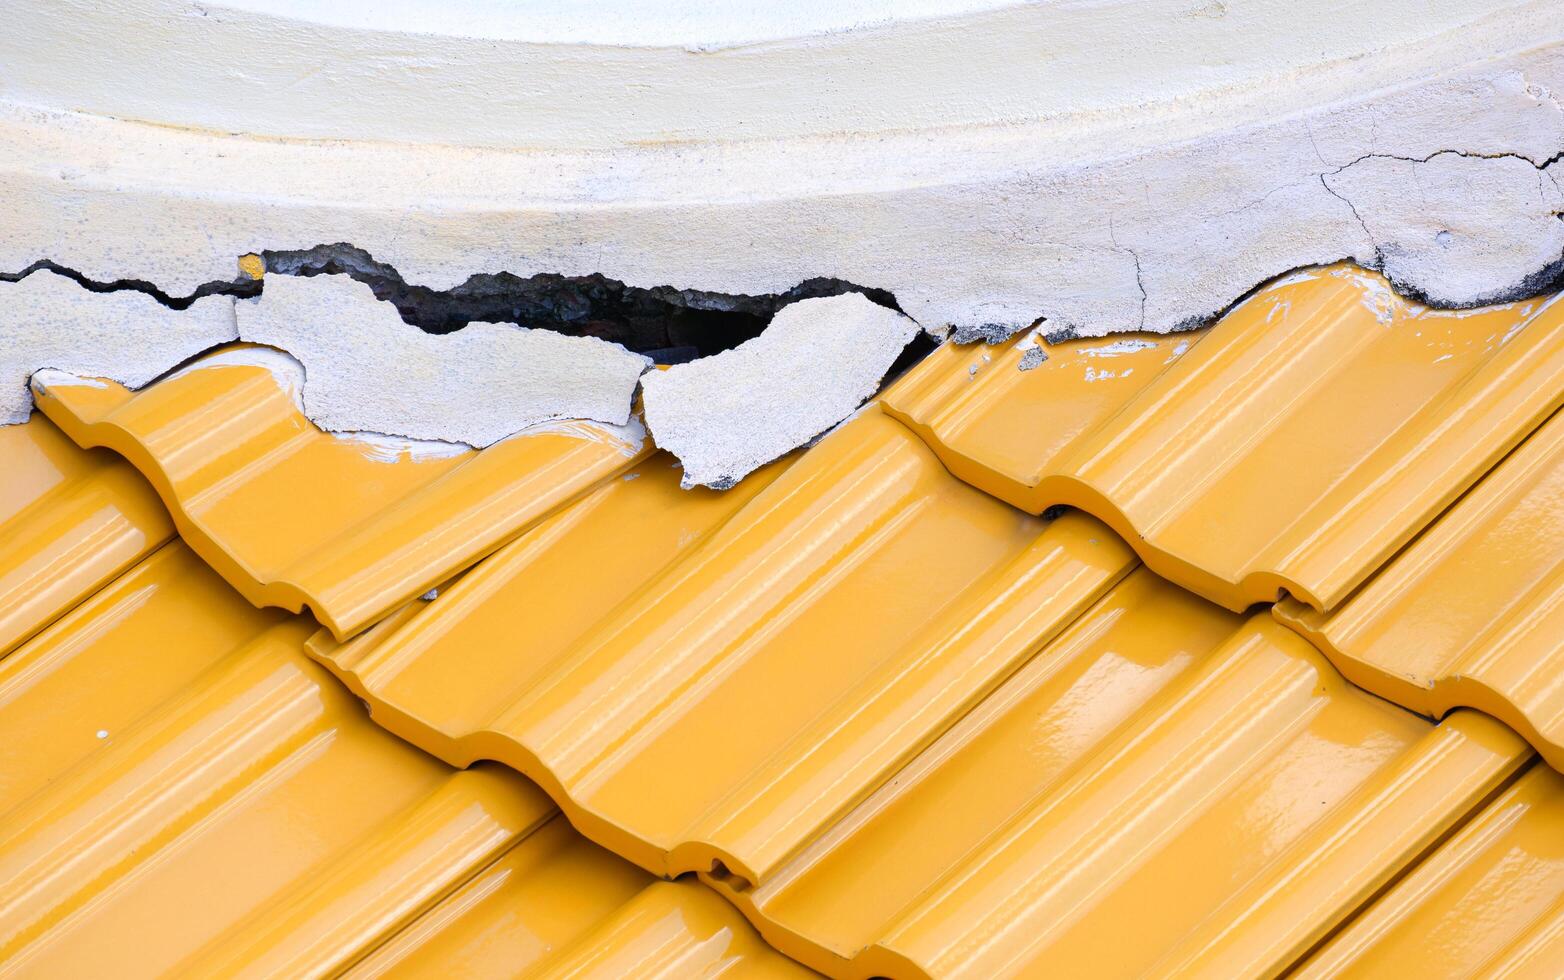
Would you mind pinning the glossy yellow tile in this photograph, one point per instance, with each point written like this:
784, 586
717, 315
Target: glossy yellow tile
292, 516
69, 522
1295, 446
1164, 790
557, 906
1472, 613
701, 677
1488, 903
184, 791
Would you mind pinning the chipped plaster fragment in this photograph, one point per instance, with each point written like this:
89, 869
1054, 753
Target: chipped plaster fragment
725, 415
366, 370
49, 322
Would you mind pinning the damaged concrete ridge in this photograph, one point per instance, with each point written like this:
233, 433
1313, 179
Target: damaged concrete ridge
368, 370
1442, 170
49, 321
726, 415
668, 321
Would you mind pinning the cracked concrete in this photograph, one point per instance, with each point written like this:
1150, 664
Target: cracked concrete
49, 322
368, 370
986, 230
1056, 192
726, 415
1443, 252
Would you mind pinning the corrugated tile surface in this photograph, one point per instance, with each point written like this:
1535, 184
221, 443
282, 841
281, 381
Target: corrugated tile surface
897, 725
184, 792
555, 905
1296, 445
69, 522
1164, 790
1472, 613
1488, 903
703, 677
292, 516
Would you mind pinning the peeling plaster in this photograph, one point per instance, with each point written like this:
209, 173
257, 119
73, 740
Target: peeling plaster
726, 415
47, 321
367, 370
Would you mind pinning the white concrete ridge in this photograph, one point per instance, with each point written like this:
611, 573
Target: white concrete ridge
48, 321
367, 370
1092, 167
725, 415
1084, 225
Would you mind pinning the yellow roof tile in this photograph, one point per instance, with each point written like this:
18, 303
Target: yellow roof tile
900, 726
1164, 790
1472, 613
1489, 902
69, 522
183, 791
292, 516
700, 677
555, 905
1295, 445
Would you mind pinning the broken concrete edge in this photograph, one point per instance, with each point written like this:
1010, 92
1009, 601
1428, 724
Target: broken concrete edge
401, 393
368, 370
726, 415
289, 375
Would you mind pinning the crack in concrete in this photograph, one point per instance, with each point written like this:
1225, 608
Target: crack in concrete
240, 287
677, 323
667, 322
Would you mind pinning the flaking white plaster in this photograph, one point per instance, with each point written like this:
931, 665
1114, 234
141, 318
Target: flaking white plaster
367, 370
48, 321
725, 415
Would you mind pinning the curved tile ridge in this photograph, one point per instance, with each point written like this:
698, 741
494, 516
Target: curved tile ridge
70, 521
1487, 903
1472, 613
1207, 782
705, 679
183, 791
352, 526
556, 905
1296, 445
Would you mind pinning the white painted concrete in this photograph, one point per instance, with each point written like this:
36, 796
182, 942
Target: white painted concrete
50, 322
367, 370
726, 415
1098, 167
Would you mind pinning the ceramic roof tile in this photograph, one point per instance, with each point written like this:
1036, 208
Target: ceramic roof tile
1163, 763
69, 522
1488, 903
183, 791
556, 905
292, 516
700, 677
1295, 445
1472, 613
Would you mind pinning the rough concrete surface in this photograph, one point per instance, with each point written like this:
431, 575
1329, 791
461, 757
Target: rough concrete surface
1053, 187
49, 321
725, 415
367, 370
